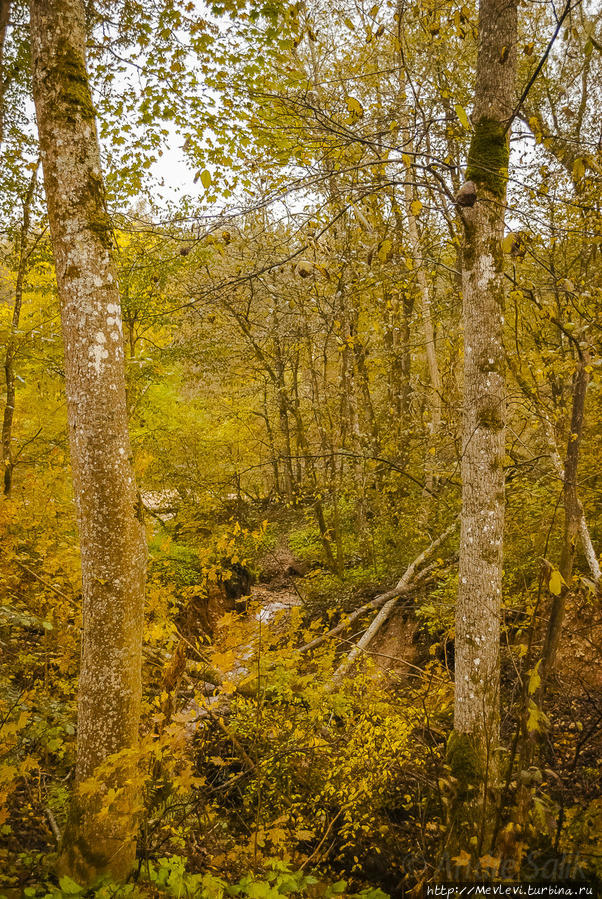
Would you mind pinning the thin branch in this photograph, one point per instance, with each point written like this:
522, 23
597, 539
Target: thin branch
568, 8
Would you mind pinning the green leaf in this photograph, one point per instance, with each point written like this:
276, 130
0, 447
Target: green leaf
69, 886
261, 889
464, 120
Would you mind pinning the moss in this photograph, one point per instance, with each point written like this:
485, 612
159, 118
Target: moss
488, 157
76, 856
489, 365
464, 760
491, 417
101, 226
100, 223
73, 83
86, 858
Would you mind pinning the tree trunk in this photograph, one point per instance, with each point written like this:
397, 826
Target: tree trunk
477, 670
4, 17
416, 248
11, 343
573, 516
548, 430
113, 552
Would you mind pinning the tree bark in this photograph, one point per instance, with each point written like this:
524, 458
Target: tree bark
477, 662
416, 249
586, 539
417, 252
113, 551
4, 17
11, 343
548, 430
573, 516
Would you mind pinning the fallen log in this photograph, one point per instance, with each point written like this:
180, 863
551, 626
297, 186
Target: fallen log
411, 577
407, 584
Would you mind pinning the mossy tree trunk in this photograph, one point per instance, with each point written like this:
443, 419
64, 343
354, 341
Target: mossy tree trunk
113, 551
473, 749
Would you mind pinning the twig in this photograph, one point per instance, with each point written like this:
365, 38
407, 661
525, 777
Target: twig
46, 584
540, 64
53, 826
323, 840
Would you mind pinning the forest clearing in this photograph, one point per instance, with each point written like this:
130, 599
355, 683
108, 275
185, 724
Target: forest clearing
300, 321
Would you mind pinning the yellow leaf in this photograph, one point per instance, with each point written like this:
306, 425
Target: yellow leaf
579, 168
206, 179
534, 126
555, 585
407, 160
415, 207
384, 250
534, 679
461, 113
488, 861
533, 718
355, 107
462, 860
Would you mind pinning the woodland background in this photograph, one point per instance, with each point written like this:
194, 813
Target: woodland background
293, 342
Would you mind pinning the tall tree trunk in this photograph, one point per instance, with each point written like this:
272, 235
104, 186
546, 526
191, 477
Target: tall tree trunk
476, 736
412, 208
550, 436
573, 516
290, 484
316, 490
11, 343
416, 248
4, 17
271, 443
113, 551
